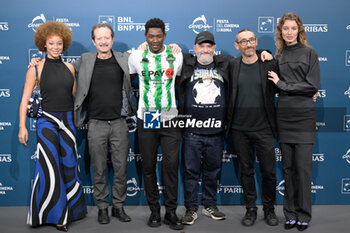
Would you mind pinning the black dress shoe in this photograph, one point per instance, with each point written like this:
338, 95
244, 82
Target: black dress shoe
270, 218
249, 217
103, 217
62, 228
154, 219
120, 214
173, 221
302, 226
290, 224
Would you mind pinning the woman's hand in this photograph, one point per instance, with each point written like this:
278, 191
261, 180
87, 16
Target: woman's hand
23, 135
273, 77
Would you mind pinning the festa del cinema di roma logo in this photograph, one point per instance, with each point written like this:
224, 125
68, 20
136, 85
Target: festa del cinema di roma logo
199, 24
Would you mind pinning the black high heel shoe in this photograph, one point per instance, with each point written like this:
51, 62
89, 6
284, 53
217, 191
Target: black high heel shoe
62, 228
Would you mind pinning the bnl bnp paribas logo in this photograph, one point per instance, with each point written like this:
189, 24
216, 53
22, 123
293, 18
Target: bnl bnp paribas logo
5, 93
4, 26
37, 21
151, 120
35, 53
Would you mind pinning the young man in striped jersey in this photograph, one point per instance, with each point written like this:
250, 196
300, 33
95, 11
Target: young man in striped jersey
157, 68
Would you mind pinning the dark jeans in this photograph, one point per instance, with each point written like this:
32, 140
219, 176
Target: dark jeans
149, 141
262, 142
201, 153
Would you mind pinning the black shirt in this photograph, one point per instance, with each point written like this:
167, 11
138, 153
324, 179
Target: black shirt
105, 94
249, 113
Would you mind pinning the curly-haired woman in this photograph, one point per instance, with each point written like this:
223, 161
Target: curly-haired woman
57, 195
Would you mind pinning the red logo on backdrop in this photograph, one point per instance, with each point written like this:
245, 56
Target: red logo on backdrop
169, 72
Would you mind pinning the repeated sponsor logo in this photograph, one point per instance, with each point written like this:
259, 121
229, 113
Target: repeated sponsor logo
69, 59
68, 22
127, 24
266, 24
84, 127
314, 187
134, 157
227, 157
4, 124
347, 57
199, 24
5, 92
315, 157
32, 124
316, 27
5, 158
347, 92
88, 189
224, 25
3, 59
322, 59
322, 93
278, 154
109, 19
348, 27
345, 186
346, 156
132, 123
4, 26
35, 53
320, 124
346, 122
34, 156
216, 52
37, 21
4, 189
132, 187
230, 189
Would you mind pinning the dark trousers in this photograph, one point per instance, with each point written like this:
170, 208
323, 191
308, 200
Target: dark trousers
201, 153
262, 142
113, 136
297, 171
149, 141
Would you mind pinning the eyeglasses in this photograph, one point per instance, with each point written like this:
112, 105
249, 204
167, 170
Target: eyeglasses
244, 42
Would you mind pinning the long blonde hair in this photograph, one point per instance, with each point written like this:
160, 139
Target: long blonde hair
280, 43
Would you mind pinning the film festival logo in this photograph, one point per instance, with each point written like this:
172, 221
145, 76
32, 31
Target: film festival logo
346, 122
5, 93
281, 187
199, 24
69, 24
347, 156
4, 189
4, 26
35, 53
345, 186
266, 24
347, 58
348, 27
347, 92
109, 19
131, 121
4, 124
132, 187
4, 58
151, 120
37, 21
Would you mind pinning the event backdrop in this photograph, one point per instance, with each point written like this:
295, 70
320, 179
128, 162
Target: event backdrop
328, 31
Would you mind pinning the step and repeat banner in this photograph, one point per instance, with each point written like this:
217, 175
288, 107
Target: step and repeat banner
328, 31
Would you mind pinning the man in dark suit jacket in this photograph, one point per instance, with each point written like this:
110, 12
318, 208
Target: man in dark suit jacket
251, 120
104, 98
